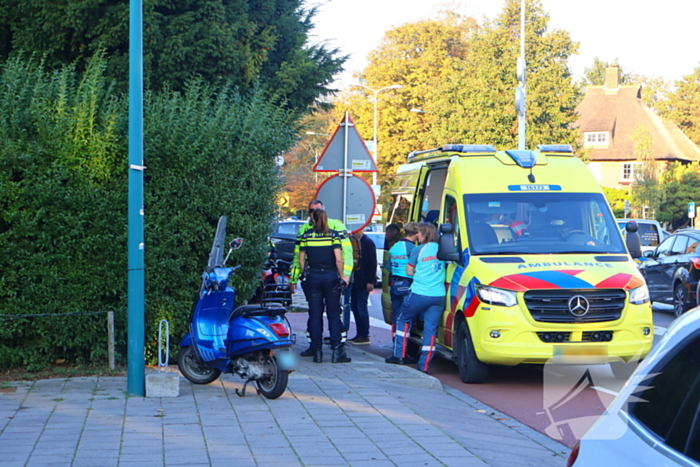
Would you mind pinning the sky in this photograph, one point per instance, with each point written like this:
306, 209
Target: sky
652, 38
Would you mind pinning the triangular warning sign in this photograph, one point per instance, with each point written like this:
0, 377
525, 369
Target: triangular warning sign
333, 157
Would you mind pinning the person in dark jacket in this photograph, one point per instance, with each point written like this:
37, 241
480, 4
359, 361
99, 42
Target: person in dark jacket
363, 283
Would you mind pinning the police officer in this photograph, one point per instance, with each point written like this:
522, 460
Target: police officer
320, 257
295, 273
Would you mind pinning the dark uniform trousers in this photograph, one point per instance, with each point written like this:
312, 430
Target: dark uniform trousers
321, 288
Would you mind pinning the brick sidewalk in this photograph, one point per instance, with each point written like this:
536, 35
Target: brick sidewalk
363, 413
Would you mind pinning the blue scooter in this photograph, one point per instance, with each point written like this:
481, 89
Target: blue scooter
250, 340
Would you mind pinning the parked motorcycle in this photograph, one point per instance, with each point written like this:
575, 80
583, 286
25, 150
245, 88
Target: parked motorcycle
252, 341
274, 285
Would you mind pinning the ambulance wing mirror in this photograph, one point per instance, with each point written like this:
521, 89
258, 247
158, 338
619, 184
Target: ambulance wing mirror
446, 247
634, 243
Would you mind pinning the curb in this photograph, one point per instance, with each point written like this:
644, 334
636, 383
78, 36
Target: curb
505, 420
414, 378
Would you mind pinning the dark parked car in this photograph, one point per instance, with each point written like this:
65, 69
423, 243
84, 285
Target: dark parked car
672, 270
284, 234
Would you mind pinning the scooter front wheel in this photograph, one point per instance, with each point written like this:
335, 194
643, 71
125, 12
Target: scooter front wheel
273, 385
193, 369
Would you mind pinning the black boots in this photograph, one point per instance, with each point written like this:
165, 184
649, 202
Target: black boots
339, 355
399, 360
311, 352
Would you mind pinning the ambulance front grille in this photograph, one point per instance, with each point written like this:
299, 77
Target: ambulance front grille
552, 306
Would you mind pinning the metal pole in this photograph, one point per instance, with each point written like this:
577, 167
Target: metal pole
376, 149
110, 339
136, 385
345, 169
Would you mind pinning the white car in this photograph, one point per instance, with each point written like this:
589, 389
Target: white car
650, 232
655, 420
378, 239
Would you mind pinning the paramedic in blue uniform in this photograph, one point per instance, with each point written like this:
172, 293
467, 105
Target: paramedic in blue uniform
426, 299
398, 260
320, 250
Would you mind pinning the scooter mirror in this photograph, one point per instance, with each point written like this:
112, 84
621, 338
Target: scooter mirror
236, 243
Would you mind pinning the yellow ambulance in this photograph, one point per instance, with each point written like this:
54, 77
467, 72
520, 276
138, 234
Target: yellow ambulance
537, 268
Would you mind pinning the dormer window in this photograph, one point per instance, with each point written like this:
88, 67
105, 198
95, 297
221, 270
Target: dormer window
592, 139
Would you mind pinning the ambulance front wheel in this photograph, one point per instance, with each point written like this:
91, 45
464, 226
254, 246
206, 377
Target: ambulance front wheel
471, 370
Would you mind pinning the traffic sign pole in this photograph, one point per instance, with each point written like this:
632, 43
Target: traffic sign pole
691, 214
345, 170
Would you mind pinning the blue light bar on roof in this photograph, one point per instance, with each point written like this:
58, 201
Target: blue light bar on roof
525, 159
469, 148
555, 148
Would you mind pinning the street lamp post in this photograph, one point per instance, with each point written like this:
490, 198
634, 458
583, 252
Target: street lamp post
376, 152
316, 151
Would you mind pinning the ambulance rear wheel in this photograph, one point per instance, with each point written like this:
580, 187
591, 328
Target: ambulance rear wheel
471, 370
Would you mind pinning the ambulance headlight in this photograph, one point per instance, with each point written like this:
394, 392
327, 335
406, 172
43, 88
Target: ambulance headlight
494, 296
639, 295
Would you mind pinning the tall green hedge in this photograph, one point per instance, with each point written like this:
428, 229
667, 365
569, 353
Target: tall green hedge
63, 203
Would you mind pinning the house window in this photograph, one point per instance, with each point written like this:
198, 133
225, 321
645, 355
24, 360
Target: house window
631, 170
595, 138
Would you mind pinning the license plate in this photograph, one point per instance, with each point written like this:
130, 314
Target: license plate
584, 353
286, 360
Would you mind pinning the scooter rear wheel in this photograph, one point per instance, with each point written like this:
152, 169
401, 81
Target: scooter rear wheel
274, 385
193, 369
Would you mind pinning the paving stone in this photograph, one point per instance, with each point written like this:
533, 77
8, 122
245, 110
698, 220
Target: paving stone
344, 415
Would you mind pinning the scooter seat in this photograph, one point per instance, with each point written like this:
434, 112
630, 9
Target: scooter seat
256, 310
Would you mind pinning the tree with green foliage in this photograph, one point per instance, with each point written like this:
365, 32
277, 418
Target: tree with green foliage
209, 151
463, 78
683, 105
418, 56
595, 74
681, 185
483, 93
237, 42
616, 198
646, 192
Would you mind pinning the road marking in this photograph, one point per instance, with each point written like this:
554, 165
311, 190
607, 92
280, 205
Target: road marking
660, 330
378, 323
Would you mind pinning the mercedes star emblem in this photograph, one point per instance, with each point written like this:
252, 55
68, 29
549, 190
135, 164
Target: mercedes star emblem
578, 305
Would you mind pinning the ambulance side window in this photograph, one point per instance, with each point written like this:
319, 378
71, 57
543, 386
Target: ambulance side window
450, 216
600, 231
402, 206
432, 195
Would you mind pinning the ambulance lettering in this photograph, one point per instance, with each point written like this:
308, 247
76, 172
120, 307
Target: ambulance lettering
564, 263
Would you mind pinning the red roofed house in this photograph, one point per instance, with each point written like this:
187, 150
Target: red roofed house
608, 117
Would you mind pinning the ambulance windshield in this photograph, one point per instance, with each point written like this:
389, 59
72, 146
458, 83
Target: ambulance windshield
541, 223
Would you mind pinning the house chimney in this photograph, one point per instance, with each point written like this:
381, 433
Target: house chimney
612, 79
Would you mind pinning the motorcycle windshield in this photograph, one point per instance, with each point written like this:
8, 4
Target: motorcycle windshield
216, 256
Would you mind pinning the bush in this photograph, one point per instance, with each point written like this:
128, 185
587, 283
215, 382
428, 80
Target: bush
63, 202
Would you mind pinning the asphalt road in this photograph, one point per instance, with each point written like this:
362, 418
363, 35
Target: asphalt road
560, 401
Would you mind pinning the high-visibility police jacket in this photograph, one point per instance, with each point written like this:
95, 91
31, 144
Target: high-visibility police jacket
319, 249
344, 243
